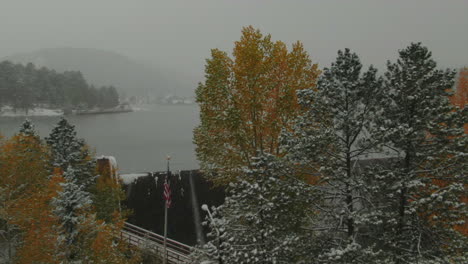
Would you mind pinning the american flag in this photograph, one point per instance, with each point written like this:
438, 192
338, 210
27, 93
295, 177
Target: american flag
167, 187
167, 194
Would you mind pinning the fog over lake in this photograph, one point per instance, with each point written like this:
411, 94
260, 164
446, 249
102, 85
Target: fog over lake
139, 140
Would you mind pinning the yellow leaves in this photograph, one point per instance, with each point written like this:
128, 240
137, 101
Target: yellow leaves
102, 243
34, 215
107, 174
246, 101
57, 171
460, 98
107, 192
23, 164
28, 189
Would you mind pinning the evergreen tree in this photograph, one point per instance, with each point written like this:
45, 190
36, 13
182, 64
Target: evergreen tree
84, 238
29, 137
262, 219
71, 205
28, 87
331, 136
43, 91
27, 129
69, 151
23, 87
7, 81
419, 193
109, 97
92, 97
24, 97
41, 216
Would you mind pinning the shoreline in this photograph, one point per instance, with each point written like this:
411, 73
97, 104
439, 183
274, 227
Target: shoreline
7, 111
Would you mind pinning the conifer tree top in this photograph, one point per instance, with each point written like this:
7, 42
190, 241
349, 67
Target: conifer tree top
66, 148
63, 130
28, 129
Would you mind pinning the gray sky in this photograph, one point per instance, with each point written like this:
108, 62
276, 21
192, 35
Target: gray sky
180, 34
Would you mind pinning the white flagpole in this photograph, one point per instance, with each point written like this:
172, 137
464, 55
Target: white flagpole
165, 216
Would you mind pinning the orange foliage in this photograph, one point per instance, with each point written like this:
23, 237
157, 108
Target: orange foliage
28, 192
463, 228
34, 215
460, 98
247, 100
107, 173
429, 214
107, 191
24, 163
103, 244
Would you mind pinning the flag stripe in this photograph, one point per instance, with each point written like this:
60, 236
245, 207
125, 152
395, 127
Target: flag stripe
167, 194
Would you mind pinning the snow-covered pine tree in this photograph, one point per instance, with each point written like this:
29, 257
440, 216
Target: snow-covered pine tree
27, 129
67, 150
331, 136
32, 142
70, 206
419, 193
262, 219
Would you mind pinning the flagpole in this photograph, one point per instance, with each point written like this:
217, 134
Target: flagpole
165, 216
165, 234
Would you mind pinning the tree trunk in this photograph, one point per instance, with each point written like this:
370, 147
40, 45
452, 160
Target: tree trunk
402, 206
349, 198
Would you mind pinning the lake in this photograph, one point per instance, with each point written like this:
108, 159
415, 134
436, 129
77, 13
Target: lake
140, 140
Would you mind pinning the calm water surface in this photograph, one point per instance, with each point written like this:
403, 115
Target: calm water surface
140, 140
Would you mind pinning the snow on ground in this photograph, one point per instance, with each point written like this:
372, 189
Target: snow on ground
140, 107
131, 177
8, 112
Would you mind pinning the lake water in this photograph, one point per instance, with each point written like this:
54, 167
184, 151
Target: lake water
140, 140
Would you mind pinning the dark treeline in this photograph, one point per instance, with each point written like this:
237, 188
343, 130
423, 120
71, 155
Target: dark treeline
25, 87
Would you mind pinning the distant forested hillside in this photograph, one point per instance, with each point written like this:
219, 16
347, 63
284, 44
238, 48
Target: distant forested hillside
27, 86
104, 68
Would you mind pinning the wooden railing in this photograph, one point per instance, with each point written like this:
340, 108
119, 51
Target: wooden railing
176, 252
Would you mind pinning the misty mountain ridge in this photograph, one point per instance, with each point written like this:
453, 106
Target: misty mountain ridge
104, 68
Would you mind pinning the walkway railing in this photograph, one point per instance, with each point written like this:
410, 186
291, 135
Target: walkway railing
176, 252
